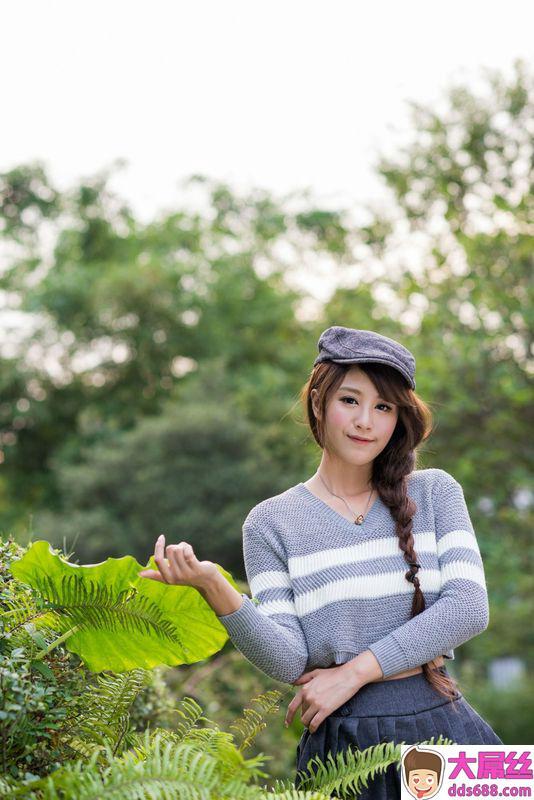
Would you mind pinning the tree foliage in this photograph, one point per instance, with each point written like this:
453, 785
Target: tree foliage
157, 383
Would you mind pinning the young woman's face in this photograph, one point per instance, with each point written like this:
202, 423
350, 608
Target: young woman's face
355, 410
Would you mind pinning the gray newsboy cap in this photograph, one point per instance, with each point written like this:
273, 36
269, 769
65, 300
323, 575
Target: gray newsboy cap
351, 346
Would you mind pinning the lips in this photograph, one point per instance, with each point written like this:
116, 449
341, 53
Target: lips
359, 439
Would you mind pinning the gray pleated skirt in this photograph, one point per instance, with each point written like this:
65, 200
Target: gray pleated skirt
405, 710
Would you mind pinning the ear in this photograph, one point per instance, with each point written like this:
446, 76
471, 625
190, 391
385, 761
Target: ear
313, 396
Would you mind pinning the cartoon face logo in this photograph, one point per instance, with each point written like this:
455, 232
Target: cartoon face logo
422, 772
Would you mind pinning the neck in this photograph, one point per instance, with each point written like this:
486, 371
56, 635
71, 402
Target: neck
346, 480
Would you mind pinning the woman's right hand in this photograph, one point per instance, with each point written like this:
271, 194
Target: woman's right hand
179, 566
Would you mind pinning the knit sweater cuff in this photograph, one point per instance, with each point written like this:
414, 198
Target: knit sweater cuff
389, 655
243, 620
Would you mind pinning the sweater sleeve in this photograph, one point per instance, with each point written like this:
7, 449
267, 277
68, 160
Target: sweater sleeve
268, 634
461, 610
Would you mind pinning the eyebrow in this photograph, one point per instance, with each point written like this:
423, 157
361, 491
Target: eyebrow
356, 391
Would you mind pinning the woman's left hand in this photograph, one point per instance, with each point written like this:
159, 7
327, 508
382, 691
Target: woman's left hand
324, 691
181, 567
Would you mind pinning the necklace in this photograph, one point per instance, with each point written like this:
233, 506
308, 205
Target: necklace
360, 518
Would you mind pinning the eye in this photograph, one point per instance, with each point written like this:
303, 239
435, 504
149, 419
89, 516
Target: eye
378, 404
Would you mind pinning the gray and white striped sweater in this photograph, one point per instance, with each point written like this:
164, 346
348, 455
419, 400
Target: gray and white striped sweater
326, 589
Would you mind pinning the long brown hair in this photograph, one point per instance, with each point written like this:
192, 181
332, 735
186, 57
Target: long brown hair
390, 468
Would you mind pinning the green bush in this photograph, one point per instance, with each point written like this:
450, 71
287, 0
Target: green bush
71, 733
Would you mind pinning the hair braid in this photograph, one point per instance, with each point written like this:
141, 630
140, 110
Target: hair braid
402, 509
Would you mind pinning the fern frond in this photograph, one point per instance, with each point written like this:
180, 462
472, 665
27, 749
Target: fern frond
166, 772
84, 603
234, 769
88, 740
350, 769
297, 794
113, 694
440, 740
251, 723
104, 715
222, 745
17, 609
169, 770
191, 713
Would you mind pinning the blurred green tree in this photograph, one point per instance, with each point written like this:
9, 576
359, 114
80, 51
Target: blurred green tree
459, 249
130, 321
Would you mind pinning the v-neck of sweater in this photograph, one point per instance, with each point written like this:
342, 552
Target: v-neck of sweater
376, 510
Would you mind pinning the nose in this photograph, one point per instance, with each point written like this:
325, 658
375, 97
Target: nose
362, 417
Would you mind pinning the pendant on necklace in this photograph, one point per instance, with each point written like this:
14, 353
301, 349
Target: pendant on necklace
359, 519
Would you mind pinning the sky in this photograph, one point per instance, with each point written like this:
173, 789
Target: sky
279, 95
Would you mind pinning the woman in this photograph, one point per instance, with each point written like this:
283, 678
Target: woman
367, 575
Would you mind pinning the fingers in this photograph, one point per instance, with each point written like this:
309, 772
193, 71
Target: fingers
315, 722
310, 716
181, 562
291, 709
159, 558
180, 555
174, 563
305, 677
151, 573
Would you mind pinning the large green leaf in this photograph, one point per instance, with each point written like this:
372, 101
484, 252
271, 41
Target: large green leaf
120, 620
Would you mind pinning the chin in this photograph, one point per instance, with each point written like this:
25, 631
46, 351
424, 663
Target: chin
360, 458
